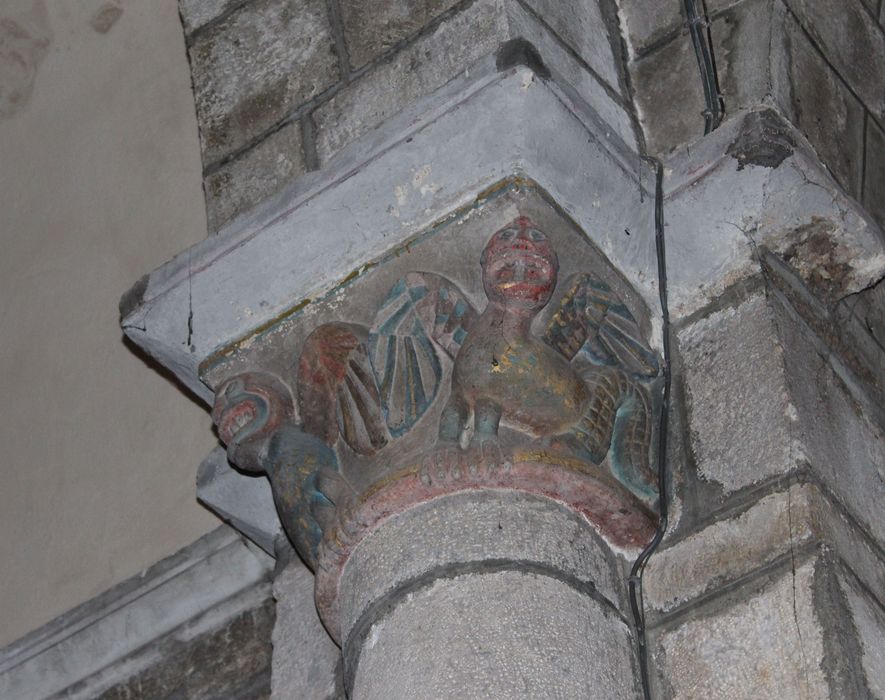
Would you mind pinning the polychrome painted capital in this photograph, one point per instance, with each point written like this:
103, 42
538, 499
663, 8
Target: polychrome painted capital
527, 380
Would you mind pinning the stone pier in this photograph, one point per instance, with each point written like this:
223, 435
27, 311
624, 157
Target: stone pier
430, 332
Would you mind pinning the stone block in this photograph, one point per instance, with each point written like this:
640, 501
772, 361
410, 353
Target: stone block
260, 172
256, 66
566, 70
305, 659
767, 643
741, 35
874, 175
647, 22
197, 13
730, 548
668, 84
244, 501
740, 416
412, 73
853, 43
232, 661
669, 97
591, 32
194, 625
838, 425
371, 28
860, 322
823, 109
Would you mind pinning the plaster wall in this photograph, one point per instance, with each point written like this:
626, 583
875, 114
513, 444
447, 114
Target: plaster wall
99, 180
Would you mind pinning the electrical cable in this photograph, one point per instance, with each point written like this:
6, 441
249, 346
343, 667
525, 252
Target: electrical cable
712, 114
700, 40
634, 582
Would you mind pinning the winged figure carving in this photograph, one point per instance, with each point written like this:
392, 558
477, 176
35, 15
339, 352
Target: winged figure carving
583, 385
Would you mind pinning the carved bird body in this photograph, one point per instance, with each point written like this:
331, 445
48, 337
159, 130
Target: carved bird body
535, 388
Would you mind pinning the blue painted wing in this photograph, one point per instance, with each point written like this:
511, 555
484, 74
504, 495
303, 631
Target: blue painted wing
424, 314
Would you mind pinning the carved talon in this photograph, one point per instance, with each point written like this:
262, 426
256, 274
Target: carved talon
485, 454
446, 461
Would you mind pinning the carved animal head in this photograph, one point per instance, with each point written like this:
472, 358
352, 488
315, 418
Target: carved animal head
248, 408
519, 266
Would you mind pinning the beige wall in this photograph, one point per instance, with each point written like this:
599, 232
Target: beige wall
99, 182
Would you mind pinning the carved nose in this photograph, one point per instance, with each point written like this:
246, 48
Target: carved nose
523, 242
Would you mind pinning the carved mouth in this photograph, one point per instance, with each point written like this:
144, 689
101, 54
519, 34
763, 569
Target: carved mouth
236, 418
521, 274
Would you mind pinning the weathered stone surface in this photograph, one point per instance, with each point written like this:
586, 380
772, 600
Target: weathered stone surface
371, 28
256, 66
869, 626
823, 109
474, 528
839, 435
244, 501
851, 326
233, 661
413, 72
874, 177
587, 30
613, 114
196, 13
667, 83
741, 418
649, 21
853, 43
182, 606
105, 17
767, 646
305, 658
260, 172
669, 96
860, 319
742, 35
730, 548
504, 635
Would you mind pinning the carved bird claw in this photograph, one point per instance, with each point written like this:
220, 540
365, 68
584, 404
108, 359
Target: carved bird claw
444, 462
448, 462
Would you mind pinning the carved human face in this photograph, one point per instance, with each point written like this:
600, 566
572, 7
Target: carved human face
519, 266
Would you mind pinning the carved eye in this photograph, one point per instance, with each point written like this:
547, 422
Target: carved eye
507, 234
536, 235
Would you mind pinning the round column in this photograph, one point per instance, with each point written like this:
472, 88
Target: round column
499, 589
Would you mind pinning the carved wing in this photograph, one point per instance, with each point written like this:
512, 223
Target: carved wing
592, 322
422, 314
337, 390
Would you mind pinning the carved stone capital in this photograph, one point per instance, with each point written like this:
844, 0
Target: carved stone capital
521, 381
